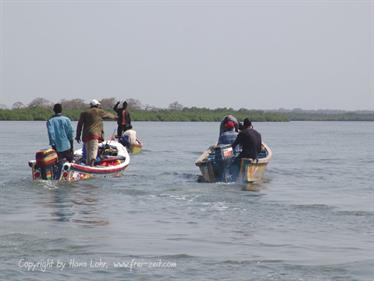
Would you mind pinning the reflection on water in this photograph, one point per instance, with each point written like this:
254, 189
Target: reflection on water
76, 203
252, 186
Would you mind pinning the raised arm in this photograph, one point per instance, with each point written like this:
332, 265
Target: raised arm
115, 108
108, 116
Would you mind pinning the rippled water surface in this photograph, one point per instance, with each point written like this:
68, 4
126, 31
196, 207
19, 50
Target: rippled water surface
311, 219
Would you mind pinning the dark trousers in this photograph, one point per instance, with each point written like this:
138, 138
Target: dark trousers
67, 155
120, 129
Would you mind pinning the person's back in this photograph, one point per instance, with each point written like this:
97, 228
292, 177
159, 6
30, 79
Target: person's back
229, 134
131, 136
60, 131
250, 140
60, 134
251, 143
128, 138
225, 120
92, 122
227, 137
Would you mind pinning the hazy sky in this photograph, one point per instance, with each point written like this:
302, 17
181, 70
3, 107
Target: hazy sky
252, 54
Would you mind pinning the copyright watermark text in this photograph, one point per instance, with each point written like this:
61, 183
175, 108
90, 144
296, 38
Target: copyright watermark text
54, 264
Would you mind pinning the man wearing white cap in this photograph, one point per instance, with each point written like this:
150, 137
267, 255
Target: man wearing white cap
91, 121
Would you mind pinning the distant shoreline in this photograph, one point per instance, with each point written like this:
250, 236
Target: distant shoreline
195, 114
176, 121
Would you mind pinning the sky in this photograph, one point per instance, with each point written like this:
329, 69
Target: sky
222, 53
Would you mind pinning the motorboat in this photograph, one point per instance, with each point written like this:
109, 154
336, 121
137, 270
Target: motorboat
113, 158
216, 165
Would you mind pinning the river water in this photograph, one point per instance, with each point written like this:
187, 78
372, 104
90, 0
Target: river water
311, 219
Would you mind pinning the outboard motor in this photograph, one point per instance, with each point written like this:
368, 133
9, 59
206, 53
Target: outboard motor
46, 159
223, 158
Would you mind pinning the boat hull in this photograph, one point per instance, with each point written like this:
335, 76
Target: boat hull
250, 171
136, 148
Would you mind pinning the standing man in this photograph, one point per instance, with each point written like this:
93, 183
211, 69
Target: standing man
60, 133
91, 121
124, 119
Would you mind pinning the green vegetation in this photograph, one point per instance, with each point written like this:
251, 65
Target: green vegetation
330, 116
41, 109
196, 114
34, 114
186, 114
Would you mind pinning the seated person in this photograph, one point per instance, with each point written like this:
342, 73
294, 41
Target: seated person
250, 141
128, 138
225, 120
229, 135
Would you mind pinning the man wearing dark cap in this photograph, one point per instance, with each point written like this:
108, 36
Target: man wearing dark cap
250, 141
60, 133
124, 118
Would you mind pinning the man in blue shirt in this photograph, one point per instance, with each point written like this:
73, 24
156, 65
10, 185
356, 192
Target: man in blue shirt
60, 133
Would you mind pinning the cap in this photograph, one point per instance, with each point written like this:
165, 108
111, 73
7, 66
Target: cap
94, 102
229, 124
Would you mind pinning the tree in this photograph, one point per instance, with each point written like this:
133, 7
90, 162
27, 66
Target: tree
134, 104
73, 104
151, 108
175, 106
108, 103
40, 102
18, 105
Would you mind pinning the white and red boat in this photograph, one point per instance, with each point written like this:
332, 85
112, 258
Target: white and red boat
113, 158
